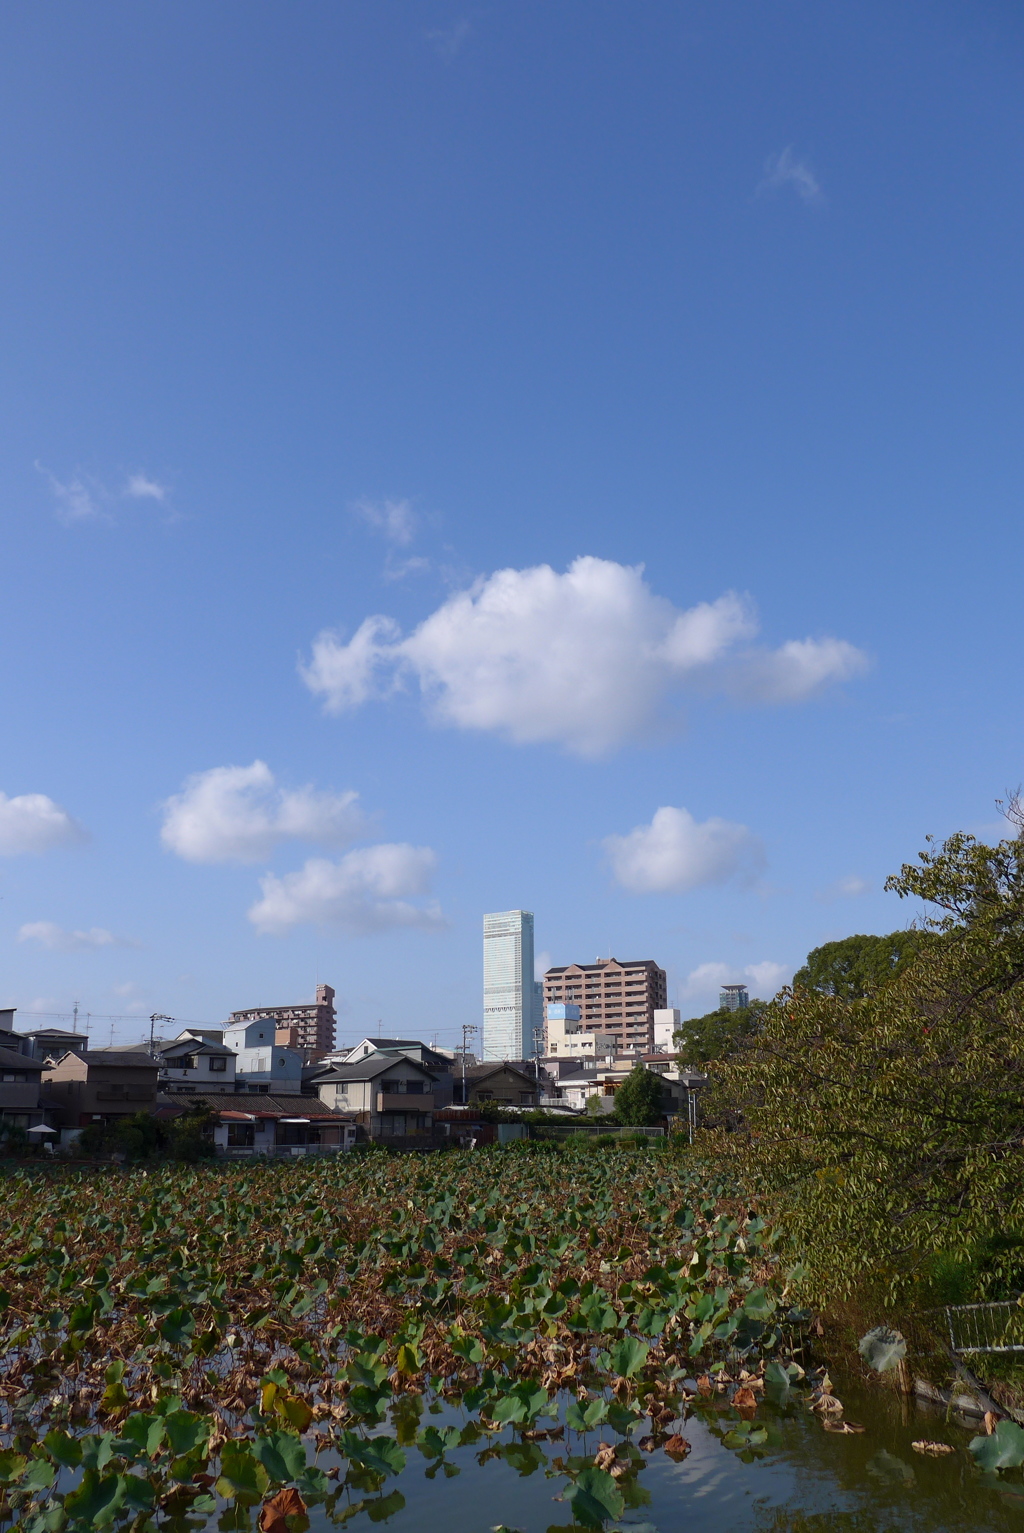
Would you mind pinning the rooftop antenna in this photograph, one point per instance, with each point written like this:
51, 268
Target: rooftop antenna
88, 1017
74, 1024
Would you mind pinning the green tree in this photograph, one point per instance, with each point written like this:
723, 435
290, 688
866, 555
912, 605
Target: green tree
887, 1128
141, 1136
638, 1101
854, 967
717, 1034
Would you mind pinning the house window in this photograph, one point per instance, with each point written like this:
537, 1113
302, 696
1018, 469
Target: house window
187, 1062
240, 1133
414, 1086
14, 1075
218, 1062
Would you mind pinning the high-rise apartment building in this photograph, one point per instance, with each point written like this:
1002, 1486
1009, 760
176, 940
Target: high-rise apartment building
733, 998
509, 988
309, 1025
617, 999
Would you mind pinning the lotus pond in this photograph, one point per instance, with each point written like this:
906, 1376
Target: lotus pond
576, 1338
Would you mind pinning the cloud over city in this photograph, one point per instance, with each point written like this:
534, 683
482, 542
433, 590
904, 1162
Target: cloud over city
676, 853
587, 659
764, 979
368, 890
57, 939
31, 822
239, 814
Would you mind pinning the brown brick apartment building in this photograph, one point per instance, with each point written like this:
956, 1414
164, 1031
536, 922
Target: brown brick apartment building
616, 998
311, 1024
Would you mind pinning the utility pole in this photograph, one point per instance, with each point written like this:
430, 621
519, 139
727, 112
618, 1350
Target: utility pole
157, 1016
538, 1044
467, 1028
74, 1023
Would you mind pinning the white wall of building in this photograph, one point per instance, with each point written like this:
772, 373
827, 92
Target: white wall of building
665, 1024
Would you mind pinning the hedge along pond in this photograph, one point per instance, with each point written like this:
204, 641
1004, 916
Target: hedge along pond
389, 1338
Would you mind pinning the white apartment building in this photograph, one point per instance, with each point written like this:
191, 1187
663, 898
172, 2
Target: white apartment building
510, 996
259, 1062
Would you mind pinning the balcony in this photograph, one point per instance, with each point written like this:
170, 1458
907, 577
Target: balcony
405, 1101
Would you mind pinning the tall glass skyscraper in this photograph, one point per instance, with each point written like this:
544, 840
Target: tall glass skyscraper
509, 990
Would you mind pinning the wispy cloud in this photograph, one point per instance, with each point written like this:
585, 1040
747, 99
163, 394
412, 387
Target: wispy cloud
78, 499
141, 487
447, 41
83, 498
849, 888
49, 935
417, 565
784, 169
393, 519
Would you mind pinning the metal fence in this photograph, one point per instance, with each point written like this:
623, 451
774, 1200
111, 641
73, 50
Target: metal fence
986, 1327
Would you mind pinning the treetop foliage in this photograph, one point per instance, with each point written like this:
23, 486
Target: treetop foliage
889, 1126
855, 966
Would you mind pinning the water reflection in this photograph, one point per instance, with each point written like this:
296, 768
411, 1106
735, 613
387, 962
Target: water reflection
802, 1480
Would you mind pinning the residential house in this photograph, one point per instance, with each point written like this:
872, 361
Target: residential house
500, 1083
53, 1042
275, 1124
575, 1090
19, 1091
434, 1059
185, 1063
391, 1095
99, 1086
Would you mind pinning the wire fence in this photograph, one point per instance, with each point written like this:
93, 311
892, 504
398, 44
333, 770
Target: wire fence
986, 1327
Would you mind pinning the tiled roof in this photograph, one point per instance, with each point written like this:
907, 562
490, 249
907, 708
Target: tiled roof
116, 1061
369, 1068
12, 1060
481, 1072
256, 1105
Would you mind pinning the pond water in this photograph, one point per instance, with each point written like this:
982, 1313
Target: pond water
803, 1479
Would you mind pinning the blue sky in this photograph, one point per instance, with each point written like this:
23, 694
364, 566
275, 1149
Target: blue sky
532, 331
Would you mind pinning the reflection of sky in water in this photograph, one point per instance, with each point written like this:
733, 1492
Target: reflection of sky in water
808, 1480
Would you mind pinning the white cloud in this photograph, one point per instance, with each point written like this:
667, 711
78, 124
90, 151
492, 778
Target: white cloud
541, 963
141, 487
78, 499
49, 935
764, 979
849, 888
675, 853
239, 814
448, 41
767, 978
395, 519
783, 169
31, 822
367, 890
586, 659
